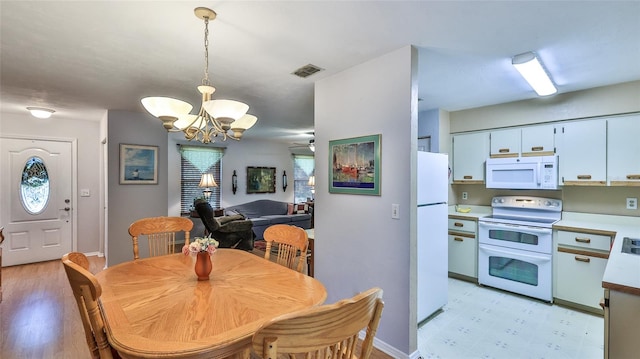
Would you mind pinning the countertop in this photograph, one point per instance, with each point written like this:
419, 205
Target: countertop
475, 213
623, 270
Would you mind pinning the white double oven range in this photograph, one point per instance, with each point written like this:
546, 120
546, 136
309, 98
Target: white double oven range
515, 245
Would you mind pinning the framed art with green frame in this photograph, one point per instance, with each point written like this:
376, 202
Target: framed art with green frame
355, 165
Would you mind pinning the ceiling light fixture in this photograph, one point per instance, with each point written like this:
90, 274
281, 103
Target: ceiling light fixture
531, 68
40, 112
215, 118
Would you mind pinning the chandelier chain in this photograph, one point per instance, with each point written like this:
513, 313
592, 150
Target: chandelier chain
205, 80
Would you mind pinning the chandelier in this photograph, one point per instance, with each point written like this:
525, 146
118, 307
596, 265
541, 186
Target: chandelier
215, 118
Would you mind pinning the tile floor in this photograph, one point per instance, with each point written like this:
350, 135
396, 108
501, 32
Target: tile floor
481, 322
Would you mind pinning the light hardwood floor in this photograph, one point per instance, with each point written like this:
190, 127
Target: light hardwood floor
39, 317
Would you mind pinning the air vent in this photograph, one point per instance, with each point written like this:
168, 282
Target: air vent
307, 70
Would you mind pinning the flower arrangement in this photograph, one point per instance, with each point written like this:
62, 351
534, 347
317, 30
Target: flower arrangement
201, 244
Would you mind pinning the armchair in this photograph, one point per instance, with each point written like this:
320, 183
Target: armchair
231, 231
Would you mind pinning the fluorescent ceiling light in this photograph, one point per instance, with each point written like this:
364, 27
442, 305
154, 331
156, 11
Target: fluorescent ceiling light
40, 112
530, 67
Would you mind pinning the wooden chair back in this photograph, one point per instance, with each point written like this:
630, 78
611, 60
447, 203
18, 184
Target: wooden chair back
86, 291
292, 243
160, 232
328, 331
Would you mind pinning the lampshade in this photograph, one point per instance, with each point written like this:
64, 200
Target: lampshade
207, 180
312, 181
530, 67
166, 106
242, 124
40, 112
226, 111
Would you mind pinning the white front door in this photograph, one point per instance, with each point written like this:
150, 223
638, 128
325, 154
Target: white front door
35, 203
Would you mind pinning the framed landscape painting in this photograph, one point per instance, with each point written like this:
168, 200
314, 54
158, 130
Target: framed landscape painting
261, 180
138, 164
355, 165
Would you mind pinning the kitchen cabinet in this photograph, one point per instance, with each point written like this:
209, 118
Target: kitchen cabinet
463, 248
582, 153
470, 151
580, 259
505, 143
621, 314
623, 147
538, 140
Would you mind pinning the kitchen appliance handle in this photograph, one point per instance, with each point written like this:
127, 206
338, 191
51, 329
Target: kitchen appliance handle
536, 230
539, 173
519, 255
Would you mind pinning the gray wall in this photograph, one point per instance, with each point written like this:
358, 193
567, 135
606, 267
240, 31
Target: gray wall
130, 202
358, 245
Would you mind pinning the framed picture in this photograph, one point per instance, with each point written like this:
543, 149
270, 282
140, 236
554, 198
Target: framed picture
355, 165
261, 180
138, 164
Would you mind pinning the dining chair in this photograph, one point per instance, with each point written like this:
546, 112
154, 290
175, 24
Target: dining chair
292, 243
86, 291
327, 331
160, 232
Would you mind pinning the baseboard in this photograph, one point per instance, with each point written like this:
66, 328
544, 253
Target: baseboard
388, 349
98, 254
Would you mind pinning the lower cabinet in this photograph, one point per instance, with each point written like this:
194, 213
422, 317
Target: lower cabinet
463, 249
580, 260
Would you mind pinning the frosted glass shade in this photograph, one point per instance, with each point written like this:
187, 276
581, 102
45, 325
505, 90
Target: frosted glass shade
166, 106
531, 69
185, 121
245, 122
225, 109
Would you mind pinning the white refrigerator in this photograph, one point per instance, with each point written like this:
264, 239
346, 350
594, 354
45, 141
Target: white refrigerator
433, 178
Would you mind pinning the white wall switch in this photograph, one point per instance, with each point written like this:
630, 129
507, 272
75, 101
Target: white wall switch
395, 211
85, 193
632, 203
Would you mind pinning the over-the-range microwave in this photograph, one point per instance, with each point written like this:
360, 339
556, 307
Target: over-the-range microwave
536, 172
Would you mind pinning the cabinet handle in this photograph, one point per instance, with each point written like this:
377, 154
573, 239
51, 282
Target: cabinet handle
467, 177
584, 177
583, 240
458, 239
633, 177
537, 148
583, 259
458, 224
503, 150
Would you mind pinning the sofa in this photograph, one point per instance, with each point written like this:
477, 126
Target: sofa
264, 213
231, 231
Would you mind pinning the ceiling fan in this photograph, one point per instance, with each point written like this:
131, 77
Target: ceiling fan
310, 145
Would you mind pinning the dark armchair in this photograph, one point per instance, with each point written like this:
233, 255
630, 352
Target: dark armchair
231, 231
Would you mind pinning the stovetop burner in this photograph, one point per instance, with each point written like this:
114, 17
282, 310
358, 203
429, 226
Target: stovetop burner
525, 210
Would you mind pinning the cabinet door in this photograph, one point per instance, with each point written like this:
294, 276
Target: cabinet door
579, 278
505, 143
538, 140
623, 160
470, 152
582, 153
463, 255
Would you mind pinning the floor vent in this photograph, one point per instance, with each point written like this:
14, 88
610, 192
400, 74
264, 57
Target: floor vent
307, 70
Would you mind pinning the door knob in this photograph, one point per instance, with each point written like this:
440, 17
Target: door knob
67, 209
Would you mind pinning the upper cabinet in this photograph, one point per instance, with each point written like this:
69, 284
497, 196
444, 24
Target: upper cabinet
582, 153
470, 150
623, 152
538, 140
505, 143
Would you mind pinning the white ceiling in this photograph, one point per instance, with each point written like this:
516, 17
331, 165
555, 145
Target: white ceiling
81, 58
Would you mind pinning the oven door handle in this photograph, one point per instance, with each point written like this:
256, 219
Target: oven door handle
516, 254
536, 230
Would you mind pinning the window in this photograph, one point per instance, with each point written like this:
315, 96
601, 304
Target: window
303, 168
34, 186
195, 161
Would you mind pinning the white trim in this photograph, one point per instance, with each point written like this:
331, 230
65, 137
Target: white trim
388, 349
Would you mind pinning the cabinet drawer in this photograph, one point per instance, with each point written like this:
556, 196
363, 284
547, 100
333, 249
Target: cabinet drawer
462, 225
463, 256
584, 240
579, 278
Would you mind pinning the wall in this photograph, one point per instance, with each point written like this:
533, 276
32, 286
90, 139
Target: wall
130, 202
358, 245
608, 100
86, 132
238, 156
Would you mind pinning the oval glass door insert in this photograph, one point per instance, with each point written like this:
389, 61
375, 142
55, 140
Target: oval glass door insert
34, 187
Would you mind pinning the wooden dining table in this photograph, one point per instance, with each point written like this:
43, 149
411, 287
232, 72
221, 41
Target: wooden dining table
156, 308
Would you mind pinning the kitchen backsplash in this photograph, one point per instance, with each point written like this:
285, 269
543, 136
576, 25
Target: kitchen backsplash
600, 200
